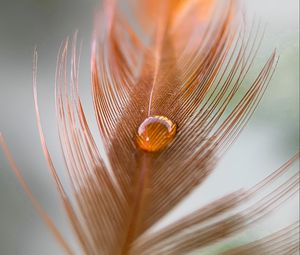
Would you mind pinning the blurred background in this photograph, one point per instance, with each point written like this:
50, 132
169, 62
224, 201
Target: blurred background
271, 137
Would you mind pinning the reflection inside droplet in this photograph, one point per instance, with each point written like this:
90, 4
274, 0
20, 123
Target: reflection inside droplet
155, 133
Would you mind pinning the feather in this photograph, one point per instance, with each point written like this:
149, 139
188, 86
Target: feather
167, 109
282, 242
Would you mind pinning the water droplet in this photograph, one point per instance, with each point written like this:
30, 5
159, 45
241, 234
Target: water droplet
155, 133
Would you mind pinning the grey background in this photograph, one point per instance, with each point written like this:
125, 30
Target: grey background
271, 137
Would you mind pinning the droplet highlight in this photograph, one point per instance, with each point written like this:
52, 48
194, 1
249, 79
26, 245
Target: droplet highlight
155, 133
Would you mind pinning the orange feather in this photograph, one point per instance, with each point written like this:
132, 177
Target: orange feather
182, 74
